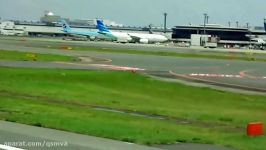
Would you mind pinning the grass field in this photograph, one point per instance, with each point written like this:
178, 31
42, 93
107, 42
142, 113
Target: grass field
66, 100
23, 56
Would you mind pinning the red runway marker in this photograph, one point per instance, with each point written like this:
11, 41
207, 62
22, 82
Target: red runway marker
255, 129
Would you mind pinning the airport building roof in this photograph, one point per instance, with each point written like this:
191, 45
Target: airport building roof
120, 28
212, 27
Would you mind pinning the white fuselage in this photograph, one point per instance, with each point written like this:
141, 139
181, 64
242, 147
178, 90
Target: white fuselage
152, 38
122, 37
139, 37
258, 41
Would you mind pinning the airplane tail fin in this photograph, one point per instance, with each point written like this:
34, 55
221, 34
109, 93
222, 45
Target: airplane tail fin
150, 29
265, 26
101, 27
65, 26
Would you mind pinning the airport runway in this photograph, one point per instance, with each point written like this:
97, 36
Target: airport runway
245, 75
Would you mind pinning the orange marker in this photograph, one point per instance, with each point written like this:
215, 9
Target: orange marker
255, 129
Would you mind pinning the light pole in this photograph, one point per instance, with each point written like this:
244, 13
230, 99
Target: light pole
265, 23
205, 21
165, 20
249, 31
229, 24
204, 32
237, 24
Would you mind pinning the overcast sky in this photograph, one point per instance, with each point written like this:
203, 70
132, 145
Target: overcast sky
141, 12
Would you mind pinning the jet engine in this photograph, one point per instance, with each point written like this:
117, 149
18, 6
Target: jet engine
144, 41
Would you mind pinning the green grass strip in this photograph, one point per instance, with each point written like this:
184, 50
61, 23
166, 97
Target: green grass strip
62, 99
24, 56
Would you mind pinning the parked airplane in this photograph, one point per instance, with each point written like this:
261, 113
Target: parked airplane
89, 34
258, 41
130, 37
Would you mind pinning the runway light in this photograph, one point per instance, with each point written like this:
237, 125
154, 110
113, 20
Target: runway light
31, 57
255, 129
64, 47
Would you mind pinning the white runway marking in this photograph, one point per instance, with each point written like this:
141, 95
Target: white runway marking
5, 147
215, 75
241, 75
113, 67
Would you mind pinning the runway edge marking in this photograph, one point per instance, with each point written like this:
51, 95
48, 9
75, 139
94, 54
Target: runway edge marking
219, 84
5, 147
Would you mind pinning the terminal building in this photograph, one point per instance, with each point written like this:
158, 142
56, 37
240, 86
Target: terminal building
226, 35
39, 29
49, 25
49, 18
9, 28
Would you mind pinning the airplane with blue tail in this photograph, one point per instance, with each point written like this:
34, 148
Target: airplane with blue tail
67, 29
115, 36
130, 37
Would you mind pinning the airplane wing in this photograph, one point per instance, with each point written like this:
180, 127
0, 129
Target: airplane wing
135, 37
88, 34
91, 34
103, 33
109, 35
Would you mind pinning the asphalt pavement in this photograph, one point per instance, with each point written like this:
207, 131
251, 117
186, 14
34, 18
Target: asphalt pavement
226, 73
